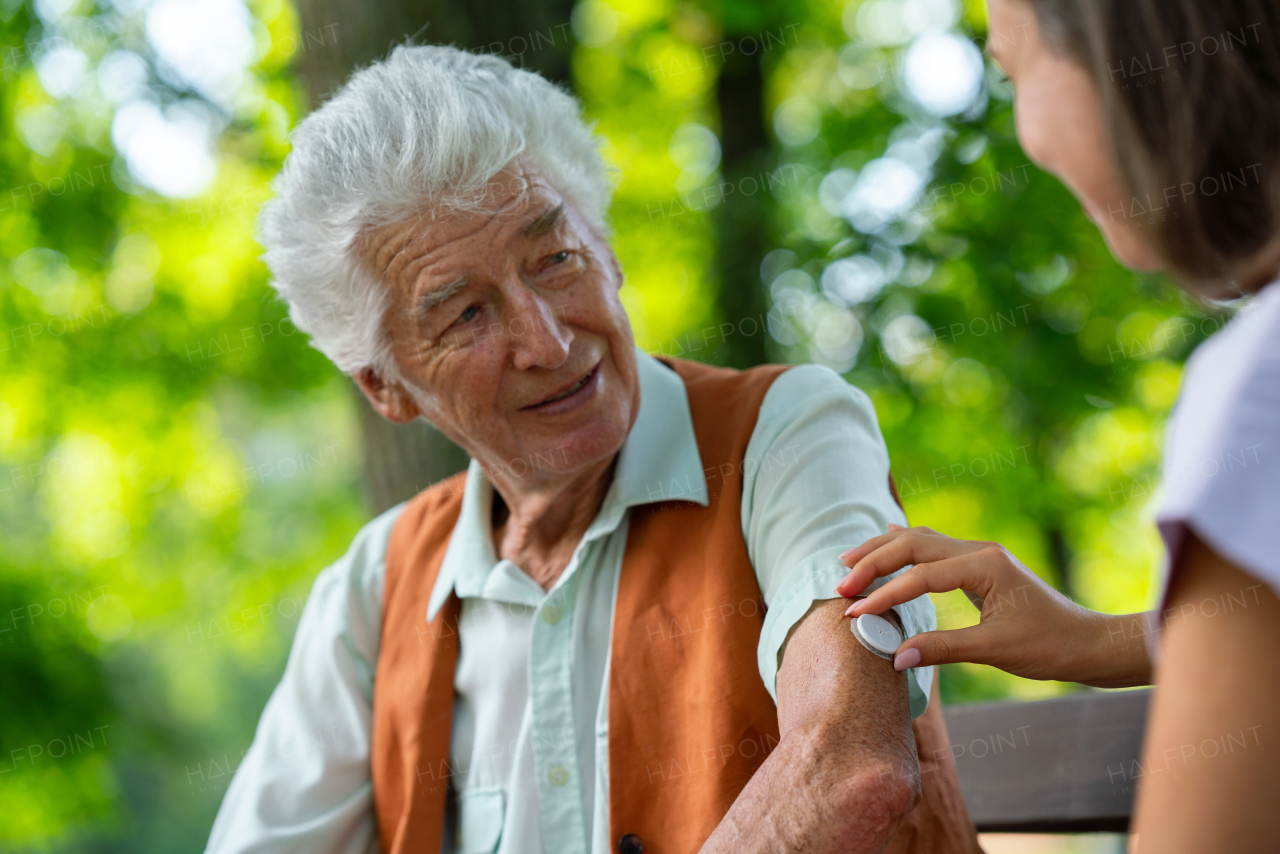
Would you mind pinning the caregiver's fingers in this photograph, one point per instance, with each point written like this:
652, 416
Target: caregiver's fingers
891, 553
853, 555
966, 572
974, 644
914, 545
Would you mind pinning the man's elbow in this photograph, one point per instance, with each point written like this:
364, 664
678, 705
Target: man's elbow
876, 799
868, 789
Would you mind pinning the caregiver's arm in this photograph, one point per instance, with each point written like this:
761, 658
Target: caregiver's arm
844, 774
1212, 743
1026, 627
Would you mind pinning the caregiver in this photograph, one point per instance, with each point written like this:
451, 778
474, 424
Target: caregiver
1130, 103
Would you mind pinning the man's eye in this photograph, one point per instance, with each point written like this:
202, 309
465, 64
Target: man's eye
560, 257
469, 313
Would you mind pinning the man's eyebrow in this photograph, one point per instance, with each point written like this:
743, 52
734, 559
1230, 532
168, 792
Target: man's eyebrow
545, 222
434, 297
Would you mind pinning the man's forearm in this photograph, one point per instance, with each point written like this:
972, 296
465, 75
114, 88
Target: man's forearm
845, 773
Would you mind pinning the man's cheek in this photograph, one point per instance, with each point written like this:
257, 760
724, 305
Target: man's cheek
609, 308
443, 374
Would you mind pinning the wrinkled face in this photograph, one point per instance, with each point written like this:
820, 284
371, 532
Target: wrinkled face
507, 324
1059, 120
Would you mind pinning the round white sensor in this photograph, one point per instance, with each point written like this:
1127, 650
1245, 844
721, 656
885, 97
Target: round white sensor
876, 634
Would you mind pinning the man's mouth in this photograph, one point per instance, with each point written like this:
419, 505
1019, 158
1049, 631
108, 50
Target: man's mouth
570, 391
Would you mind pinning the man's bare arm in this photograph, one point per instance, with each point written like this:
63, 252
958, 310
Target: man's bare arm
844, 774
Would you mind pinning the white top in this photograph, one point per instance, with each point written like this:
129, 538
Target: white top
1222, 449
529, 748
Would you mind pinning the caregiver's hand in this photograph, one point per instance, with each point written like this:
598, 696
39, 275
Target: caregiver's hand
1026, 627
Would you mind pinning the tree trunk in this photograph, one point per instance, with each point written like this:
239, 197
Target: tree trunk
338, 37
742, 222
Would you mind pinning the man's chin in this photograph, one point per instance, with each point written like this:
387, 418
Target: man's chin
563, 453
580, 450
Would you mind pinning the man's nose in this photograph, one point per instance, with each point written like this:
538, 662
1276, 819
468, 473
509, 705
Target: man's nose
538, 333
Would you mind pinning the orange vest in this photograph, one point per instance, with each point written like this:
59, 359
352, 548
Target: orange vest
689, 719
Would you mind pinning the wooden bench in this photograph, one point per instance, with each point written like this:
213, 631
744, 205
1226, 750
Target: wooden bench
1065, 765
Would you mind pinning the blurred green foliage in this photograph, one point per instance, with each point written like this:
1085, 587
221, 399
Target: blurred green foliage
176, 465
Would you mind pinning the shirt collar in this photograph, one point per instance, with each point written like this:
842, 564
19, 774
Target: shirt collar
658, 461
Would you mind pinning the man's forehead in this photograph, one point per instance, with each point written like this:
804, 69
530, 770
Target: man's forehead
524, 201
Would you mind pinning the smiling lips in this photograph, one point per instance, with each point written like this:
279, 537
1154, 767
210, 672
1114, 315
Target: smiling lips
570, 391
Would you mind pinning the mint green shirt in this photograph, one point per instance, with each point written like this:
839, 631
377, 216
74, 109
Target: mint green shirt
528, 767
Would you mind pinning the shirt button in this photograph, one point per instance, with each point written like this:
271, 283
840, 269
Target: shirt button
558, 775
551, 614
630, 844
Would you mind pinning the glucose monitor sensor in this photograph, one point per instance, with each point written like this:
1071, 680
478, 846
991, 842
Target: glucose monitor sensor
877, 634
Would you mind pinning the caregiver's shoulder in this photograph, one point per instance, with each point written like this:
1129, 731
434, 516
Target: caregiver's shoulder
1222, 454
1234, 377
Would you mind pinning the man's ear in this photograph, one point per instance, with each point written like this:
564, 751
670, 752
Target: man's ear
617, 268
390, 400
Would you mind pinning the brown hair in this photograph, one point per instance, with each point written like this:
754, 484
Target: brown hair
1190, 92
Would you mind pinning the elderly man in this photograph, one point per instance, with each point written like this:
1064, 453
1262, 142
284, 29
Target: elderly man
618, 630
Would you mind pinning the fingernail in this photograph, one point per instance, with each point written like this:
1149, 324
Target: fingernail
848, 612
844, 554
906, 659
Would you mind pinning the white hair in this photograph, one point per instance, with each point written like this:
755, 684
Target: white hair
424, 130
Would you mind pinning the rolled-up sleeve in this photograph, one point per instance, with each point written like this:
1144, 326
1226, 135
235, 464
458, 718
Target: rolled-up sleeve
815, 483
304, 784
